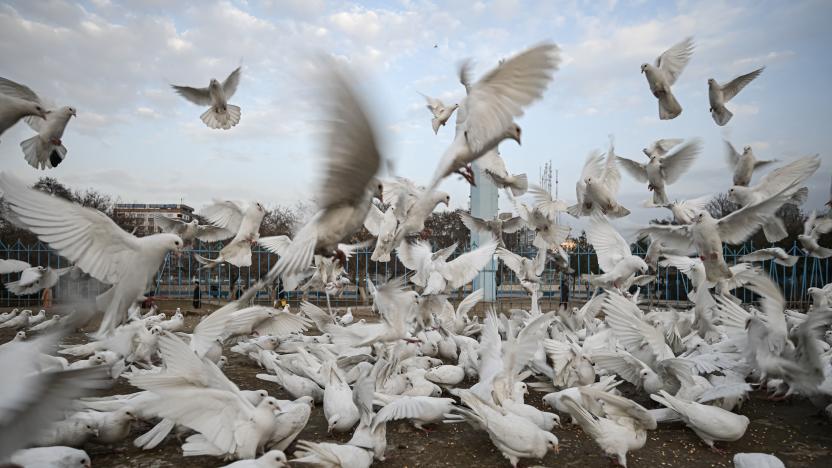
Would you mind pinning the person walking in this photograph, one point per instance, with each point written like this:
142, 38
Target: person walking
197, 294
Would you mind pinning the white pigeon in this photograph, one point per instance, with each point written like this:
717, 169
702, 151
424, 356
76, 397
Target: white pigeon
16, 102
785, 179
614, 256
270, 459
707, 234
661, 146
528, 270
51, 457
18, 322
339, 410
36, 319
514, 436
757, 460
663, 170
684, 211
45, 150
598, 186
94, 243
494, 167
54, 320
383, 225
620, 428
719, 94
188, 232
31, 401
743, 164
113, 426
196, 394
348, 183
12, 266
441, 112
413, 205
436, 275
543, 219
664, 73
220, 114
244, 222
486, 115
35, 279
420, 410
777, 254
712, 424
813, 228
496, 226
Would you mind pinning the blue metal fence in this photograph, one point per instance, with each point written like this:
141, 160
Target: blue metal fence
175, 277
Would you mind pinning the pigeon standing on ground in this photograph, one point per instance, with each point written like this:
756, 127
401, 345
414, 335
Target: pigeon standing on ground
16, 102
719, 94
221, 114
664, 73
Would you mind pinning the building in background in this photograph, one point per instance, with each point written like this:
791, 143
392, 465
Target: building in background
139, 216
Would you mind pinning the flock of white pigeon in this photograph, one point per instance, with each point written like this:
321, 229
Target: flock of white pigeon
423, 360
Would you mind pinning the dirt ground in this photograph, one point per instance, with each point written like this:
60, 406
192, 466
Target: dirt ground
791, 430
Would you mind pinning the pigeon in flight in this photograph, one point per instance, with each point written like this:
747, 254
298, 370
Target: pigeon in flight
221, 114
16, 102
719, 94
664, 73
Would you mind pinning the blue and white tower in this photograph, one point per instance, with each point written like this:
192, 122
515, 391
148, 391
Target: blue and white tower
484, 205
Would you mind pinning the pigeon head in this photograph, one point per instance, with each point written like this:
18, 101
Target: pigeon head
551, 442
711, 81
514, 132
644, 67
214, 83
21, 335
273, 458
72, 111
33, 108
222, 361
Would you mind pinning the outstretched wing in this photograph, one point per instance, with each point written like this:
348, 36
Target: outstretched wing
229, 86
501, 95
736, 85
198, 96
637, 171
674, 165
674, 59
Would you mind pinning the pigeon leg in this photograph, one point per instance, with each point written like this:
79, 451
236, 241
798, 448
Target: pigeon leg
55, 141
718, 450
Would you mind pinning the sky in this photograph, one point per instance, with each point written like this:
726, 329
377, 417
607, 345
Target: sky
135, 139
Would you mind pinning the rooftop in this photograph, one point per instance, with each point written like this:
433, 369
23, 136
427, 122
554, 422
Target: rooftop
153, 206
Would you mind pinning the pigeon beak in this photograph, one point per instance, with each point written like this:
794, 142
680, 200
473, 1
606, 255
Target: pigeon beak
74, 113
556, 449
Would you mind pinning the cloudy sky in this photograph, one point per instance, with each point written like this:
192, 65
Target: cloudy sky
135, 139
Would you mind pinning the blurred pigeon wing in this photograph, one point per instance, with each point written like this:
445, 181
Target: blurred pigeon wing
229, 86
500, 96
198, 96
730, 89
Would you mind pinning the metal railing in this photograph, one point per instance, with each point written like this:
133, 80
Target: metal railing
175, 277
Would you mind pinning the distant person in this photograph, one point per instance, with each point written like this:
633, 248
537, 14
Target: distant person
197, 295
281, 294
46, 298
564, 292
